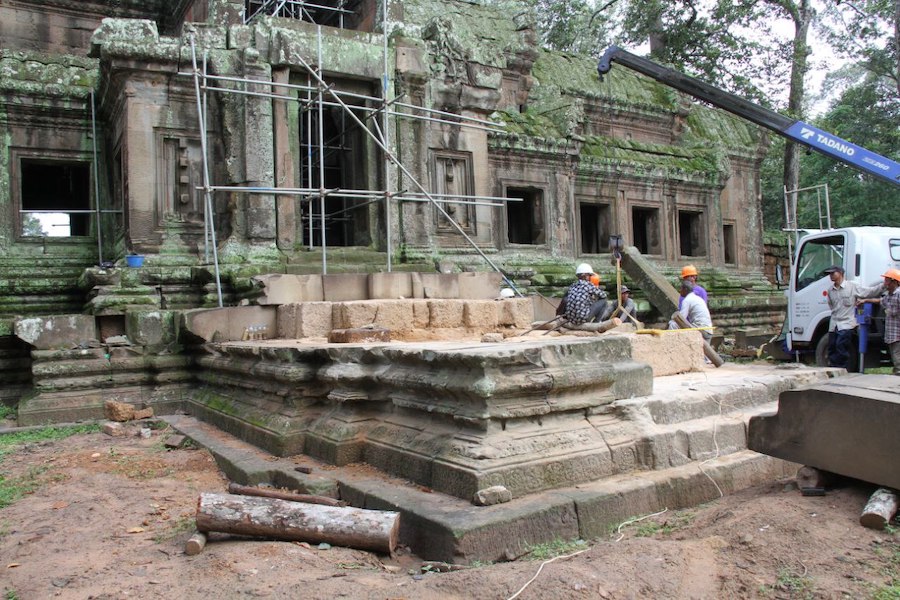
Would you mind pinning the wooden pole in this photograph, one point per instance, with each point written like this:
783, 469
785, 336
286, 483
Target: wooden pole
880, 509
246, 490
195, 544
285, 520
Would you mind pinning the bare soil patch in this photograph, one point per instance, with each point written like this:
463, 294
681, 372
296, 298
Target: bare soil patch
108, 518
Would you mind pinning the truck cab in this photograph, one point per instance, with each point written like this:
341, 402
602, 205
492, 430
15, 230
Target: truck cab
865, 253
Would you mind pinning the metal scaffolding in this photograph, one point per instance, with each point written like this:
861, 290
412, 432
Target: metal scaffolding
358, 112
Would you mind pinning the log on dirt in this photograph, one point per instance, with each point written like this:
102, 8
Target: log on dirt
880, 509
195, 544
296, 521
811, 478
246, 490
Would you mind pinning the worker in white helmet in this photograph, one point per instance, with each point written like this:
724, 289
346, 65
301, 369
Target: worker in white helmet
583, 301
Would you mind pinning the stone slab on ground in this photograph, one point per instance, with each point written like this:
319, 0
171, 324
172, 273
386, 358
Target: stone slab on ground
846, 426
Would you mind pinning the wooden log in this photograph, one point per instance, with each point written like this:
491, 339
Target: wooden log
285, 520
811, 477
246, 490
195, 544
708, 351
880, 509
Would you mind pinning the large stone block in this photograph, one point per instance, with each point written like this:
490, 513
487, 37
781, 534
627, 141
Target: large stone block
57, 332
440, 285
670, 352
230, 323
152, 328
351, 315
289, 289
445, 313
390, 286
846, 426
477, 286
421, 314
345, 286
516, 312
307, 319
480, 314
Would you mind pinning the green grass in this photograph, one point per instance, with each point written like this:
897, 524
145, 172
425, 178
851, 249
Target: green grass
677, 521
793, 584
11, 594
6, 411
879, 371
177, 528
555, 548
13, 488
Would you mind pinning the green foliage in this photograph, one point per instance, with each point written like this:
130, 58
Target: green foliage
671, 524
796, 585
14, 488
557, 547
177, 528
6, 412
11, 594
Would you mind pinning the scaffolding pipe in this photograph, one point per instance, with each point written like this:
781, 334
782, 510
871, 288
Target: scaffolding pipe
206, 216
321, 84
206, 186
385, 134
96, 182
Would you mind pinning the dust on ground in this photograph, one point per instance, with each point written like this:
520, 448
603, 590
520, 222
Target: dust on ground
107, 518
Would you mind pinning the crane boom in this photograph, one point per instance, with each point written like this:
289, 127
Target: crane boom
797, 131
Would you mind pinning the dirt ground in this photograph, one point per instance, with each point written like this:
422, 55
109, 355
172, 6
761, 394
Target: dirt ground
108, 518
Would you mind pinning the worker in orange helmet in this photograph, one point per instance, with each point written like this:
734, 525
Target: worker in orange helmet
890, 304
689, 273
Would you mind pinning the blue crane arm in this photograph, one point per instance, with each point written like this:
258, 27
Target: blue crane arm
797, 131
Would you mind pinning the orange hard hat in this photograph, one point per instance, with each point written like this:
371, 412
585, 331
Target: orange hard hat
892, 274
689, 270
595, 279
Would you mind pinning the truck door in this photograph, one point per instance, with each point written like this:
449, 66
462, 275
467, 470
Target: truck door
807, 304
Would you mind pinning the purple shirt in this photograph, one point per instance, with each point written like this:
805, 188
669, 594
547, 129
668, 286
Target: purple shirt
700, 291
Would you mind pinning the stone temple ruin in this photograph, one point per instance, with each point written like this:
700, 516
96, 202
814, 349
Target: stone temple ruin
280, 174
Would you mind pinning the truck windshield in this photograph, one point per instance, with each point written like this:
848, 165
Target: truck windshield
895, 249
816, 256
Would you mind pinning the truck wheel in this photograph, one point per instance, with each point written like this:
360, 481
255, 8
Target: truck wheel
822, 351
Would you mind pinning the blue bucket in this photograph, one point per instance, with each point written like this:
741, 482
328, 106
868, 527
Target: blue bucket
134, 260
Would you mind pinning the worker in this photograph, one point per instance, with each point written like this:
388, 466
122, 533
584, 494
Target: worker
890, 305
629, 308
694, 310
689, 273
842, 298
583, 301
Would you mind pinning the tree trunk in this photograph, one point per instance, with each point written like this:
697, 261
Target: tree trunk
281, 519
246, 490
880, 510
195, 544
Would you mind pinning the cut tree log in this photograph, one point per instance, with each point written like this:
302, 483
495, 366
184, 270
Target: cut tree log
880, 509
195, 544
246, 490
296, 521
708, 351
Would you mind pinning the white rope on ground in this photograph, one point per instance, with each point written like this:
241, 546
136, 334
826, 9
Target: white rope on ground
635, 520
546, 562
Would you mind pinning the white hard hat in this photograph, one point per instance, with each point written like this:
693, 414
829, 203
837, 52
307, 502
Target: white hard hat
507, 293
583, 268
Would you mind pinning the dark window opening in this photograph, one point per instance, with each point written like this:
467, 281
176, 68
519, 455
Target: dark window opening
525, 217
690, 233
729, 245
343, 159
595, 227
645, 228
55, 198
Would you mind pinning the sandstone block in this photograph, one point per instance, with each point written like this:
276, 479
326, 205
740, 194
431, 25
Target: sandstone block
479, 286
396, 315
445, 313
345, 286
287, 289
517, 312
440, 285
118, 411
307, 319
114, 429
362, 335
492, 338
670, 352
230, 323
144, 413
59, 332
175, 441
390, 286
480, 314
351, 315
421, 314
495, 494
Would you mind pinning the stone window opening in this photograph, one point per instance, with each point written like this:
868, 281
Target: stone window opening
595, 227
54, 198
645, 230
691, 236
525, 216
729, 245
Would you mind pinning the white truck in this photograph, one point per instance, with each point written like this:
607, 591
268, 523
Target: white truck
865, 253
